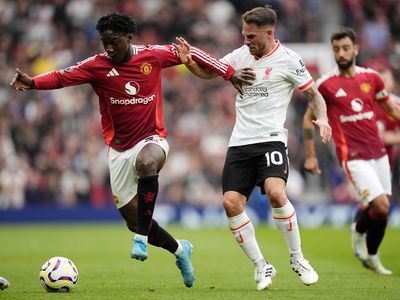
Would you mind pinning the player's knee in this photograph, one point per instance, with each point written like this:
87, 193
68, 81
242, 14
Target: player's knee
232, 206
381, 206
276, 196
147, 166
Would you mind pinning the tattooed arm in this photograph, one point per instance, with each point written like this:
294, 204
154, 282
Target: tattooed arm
318, 105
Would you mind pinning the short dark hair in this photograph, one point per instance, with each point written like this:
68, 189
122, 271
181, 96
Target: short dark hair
260, 16
116, 22
344, 32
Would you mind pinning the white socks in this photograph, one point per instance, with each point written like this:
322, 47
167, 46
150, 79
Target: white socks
286, 220
244, 233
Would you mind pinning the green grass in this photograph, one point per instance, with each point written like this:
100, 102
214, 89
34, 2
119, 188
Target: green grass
101, 253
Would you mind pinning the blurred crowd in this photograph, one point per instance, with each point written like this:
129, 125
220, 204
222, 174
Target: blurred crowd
51, 147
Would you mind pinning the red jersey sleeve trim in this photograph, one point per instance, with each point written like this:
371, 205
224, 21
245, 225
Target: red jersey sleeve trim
205, 60
307, 85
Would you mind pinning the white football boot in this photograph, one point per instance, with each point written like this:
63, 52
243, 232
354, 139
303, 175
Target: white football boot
303, 268
359, 243
374, 263
263, 276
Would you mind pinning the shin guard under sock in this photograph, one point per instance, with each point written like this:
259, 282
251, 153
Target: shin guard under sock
147, 195
375, 232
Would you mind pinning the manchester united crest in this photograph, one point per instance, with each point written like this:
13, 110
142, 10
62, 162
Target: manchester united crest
145, 68
365, 87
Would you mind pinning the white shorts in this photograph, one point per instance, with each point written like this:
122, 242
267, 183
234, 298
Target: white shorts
122, 165
371, 178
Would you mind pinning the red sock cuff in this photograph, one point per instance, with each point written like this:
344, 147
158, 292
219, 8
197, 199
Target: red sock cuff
375, 216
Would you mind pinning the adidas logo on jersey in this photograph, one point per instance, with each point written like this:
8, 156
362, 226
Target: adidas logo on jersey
340, 93
113, 72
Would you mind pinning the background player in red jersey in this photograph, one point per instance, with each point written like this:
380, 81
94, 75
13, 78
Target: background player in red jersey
127, 80
350, 93
388, 127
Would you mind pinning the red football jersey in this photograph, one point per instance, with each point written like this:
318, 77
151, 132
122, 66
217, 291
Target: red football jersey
130, 93
350, 103
387, 123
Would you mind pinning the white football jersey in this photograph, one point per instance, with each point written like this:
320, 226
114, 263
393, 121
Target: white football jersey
261, 110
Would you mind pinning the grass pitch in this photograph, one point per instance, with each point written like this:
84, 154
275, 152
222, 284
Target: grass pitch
102, 254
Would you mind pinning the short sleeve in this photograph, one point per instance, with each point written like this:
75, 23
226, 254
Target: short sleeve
381, 95
234, 58
298, 74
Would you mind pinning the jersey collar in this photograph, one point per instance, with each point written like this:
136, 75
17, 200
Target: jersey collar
277, 44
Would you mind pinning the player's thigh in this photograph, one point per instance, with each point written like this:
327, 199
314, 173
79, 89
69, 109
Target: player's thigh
239, 173
272, 162
123, 173
123, 177
384, 173
366, 178
152, 155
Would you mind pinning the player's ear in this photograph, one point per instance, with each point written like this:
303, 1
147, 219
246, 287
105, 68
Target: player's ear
130, 37
356, 49
269, 32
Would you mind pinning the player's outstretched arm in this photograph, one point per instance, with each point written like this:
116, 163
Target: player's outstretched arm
22, 81
183, 49
311, 161
319, 107
245, 76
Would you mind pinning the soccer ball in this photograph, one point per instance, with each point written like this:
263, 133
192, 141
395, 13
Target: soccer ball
58, 274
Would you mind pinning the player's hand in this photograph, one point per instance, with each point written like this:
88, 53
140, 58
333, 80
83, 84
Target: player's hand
325, 131
311, 165
22, 81
183, 49
245, 76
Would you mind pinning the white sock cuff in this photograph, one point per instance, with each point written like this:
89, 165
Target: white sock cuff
141, 237
180, 248
238, 221
284, 212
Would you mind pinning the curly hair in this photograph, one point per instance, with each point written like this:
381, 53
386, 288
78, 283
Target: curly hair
116, 22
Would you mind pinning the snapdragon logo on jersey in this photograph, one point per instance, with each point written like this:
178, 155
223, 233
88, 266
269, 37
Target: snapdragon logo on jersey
132, 88
357, 105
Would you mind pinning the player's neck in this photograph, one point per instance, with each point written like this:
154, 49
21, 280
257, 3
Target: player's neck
350, 72
271, 46
128, 55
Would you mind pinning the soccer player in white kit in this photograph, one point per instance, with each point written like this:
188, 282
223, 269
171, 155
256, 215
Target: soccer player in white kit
257, 153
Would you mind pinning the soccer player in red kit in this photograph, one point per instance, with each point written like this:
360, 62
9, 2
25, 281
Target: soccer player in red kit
350, 93
127, 80
388, 127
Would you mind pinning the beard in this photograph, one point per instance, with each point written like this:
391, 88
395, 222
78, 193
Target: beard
345, 66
